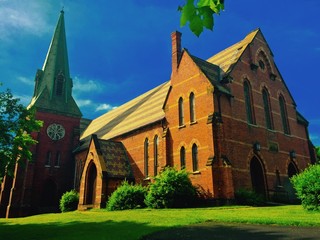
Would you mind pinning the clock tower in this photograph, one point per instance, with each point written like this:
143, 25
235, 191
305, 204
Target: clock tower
38, 186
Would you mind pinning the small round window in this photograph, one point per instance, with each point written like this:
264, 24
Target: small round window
262, 65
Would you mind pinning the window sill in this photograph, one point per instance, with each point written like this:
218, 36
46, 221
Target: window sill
56, 166
196, 172
147, 179
192, 123
182, 126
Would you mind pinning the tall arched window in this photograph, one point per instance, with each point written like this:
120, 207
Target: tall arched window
248, 102
48, 159
192, 108
146, 157
183, 157
267, 108
181, 112
57, 160
155, 152
284, 115
60, 83
195, 157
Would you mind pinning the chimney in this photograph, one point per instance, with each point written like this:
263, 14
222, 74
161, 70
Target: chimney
176, 49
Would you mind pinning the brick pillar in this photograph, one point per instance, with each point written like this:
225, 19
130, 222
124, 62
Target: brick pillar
222, 171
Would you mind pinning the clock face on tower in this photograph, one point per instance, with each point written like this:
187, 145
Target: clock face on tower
55, 131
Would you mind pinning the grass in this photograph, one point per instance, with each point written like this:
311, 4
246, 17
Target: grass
133, 224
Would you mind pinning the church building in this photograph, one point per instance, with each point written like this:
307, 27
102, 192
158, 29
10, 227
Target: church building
229, 120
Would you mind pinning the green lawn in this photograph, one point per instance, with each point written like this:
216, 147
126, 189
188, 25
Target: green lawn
132, 224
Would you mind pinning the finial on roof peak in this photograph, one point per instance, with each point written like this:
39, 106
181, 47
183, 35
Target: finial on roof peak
62, 10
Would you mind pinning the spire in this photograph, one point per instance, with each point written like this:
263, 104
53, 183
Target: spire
53, 85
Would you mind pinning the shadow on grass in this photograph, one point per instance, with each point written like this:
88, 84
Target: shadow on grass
217, 231
77, 231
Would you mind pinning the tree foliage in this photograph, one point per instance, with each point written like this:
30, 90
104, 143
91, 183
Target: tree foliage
127, 196
69, 201
307, 186
199, 14
16, 124
170, 189
318, 154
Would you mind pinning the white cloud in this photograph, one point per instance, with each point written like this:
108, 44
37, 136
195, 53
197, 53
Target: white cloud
26, 81
84, 102
83, 85
105, 107
18, 16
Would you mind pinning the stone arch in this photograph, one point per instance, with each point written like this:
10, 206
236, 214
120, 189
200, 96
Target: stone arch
292, 169
90, 184
258, 177
261, 55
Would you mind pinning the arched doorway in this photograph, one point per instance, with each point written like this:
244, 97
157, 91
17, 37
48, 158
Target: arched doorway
257, 176
49, 201
91, 179
292, 169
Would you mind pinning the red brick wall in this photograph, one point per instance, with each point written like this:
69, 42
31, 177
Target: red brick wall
240, 136
186, 79
32, 179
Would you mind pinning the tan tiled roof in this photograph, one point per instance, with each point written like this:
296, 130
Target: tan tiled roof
115, 159
229, 56
141, 111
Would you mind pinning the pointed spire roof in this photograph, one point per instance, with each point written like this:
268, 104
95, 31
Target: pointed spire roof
53, 85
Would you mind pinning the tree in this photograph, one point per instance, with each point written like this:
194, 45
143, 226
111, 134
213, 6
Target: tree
16, 124
200, 15
307, 186
318, 154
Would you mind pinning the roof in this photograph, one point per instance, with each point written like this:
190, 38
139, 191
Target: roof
139, 112
229, 56
115, 158
212, 72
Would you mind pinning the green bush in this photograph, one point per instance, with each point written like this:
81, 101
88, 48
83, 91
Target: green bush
307, 186
69, 201
127, 196
170, 189
248, 197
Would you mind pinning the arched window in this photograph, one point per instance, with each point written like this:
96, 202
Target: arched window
146, 157
155, 152
60, 82
48, 159
248, 102
181, 112
57, 160
284, 116
183, 157
267, 108
192, 108
194, 157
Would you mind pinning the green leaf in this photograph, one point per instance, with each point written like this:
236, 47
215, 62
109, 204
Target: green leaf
207, 18
187, 13
204, 3
196, 25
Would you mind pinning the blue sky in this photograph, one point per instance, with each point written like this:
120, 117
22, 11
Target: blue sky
120, 49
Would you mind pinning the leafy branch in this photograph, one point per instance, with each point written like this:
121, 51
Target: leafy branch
200, 15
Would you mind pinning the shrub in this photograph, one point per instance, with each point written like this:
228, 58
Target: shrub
307, 186
248, 197
171, 188
127, 196
69, 201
